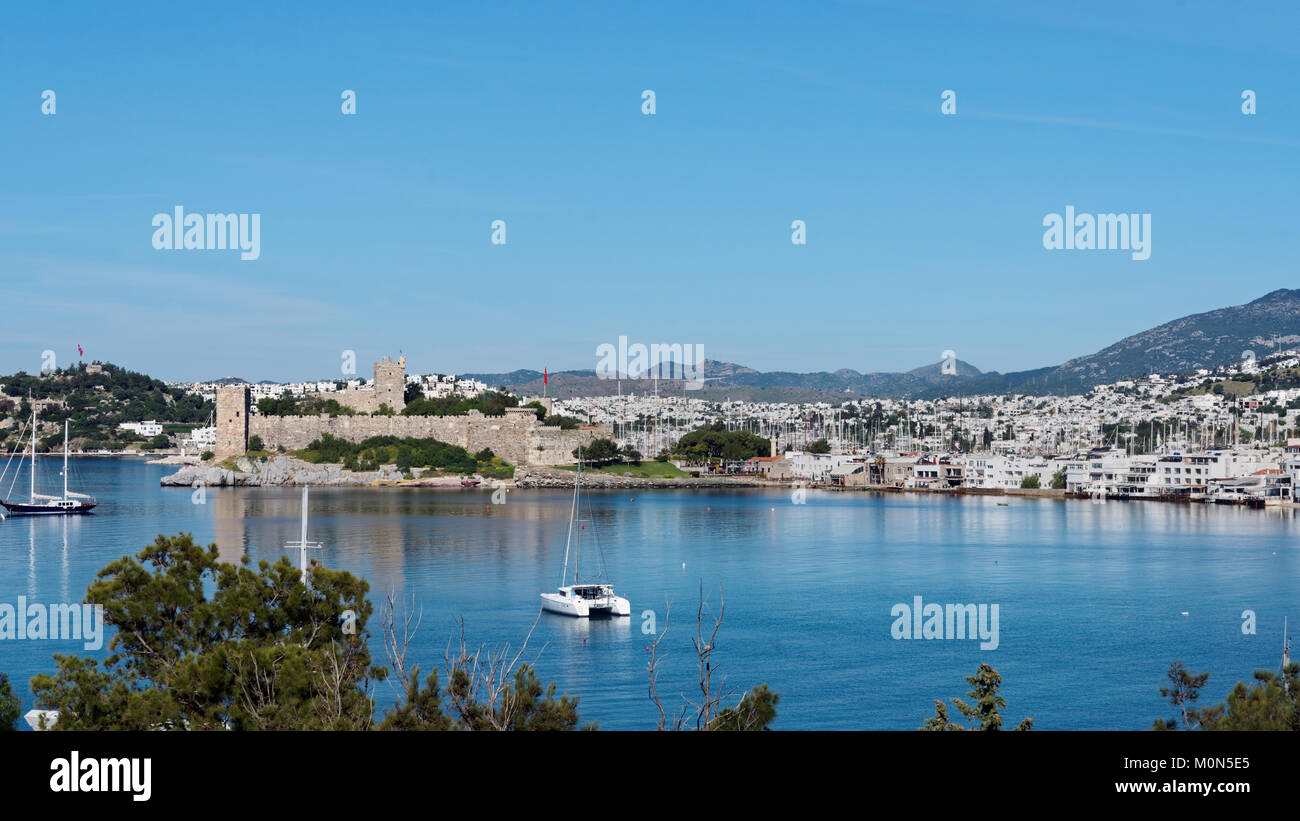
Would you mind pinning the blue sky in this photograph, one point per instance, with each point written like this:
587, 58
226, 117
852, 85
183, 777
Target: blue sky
924, 230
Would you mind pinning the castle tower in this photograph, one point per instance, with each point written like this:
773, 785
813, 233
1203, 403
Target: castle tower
390, 383
232, 421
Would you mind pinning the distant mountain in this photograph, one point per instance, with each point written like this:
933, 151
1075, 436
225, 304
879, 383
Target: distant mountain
1267, 325
1207, 340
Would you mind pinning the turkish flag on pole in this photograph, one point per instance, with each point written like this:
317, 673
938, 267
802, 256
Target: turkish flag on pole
545, 376
79, 351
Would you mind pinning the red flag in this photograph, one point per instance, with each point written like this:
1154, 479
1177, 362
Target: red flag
545, 377
79, 351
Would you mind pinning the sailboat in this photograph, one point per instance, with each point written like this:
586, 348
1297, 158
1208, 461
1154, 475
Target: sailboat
43, 504
578, 599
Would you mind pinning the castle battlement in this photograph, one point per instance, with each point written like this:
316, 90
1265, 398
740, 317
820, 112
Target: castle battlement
516, 437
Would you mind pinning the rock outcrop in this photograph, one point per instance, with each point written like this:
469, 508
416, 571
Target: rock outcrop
541, 477
281, 470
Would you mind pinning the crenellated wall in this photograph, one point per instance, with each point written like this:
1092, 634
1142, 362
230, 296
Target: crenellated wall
516, 437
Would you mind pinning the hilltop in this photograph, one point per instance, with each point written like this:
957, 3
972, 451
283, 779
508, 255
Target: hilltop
1205, 340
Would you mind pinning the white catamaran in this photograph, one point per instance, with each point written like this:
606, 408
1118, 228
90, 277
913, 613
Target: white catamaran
44, 504
582, 600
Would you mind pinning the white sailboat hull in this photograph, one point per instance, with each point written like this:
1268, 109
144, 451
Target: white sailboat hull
575, 601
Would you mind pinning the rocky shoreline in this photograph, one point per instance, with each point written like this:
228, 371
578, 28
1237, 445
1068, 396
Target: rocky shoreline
541, 477
285, 470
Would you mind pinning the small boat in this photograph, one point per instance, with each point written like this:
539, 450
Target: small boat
593, 598
40, 504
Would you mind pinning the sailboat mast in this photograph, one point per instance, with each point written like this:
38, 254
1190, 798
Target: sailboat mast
65, 459
573, 514
577, 512
302, 551
32, 477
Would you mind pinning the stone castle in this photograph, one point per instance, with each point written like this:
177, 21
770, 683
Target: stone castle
518, 437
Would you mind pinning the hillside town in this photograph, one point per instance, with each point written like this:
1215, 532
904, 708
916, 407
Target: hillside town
1177, 437
1206, 435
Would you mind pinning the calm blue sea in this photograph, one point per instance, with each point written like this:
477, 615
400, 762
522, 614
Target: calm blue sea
1090, 596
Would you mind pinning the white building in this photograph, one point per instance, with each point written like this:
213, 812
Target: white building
147, 428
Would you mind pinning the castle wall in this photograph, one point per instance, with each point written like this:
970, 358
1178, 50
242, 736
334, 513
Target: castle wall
516, 437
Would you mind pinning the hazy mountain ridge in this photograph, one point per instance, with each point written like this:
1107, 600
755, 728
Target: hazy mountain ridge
1204, 340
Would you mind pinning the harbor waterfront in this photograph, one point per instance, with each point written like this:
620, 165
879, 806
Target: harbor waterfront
1110, 592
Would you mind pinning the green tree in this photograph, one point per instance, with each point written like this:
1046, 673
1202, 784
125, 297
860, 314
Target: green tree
756, 711
255, 443
1183, 693
538, 408
630, 454
598, 452
160, 442
710, 442
818, 446
10, 706
200, 644
985, 712
1030, 482
523, 705
1269, 704
1058, 480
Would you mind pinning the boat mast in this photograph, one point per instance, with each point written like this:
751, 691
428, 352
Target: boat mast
573, 514
33, 471
577, 543
302, 551
65, 459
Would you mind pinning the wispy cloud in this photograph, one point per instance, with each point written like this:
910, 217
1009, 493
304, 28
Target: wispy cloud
1132, 128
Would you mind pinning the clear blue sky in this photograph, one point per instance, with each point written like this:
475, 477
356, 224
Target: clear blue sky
924, 231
